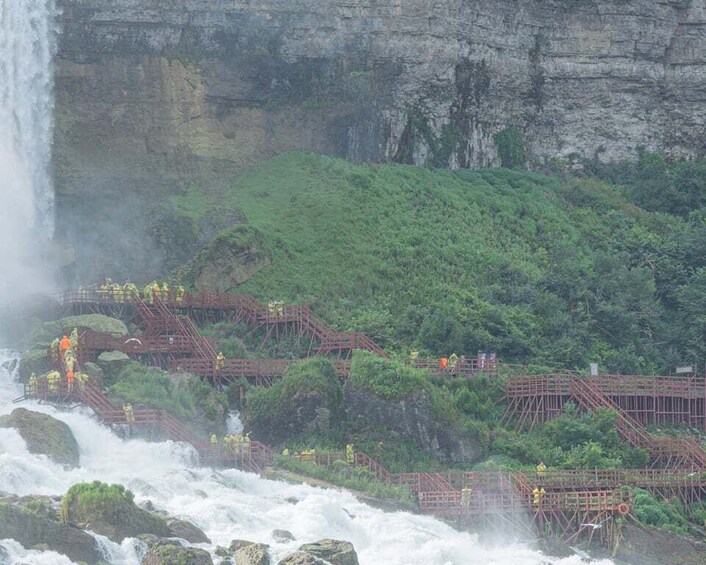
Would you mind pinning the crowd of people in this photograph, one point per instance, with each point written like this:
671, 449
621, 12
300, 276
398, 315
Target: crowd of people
65, 372
110, 291
233, 444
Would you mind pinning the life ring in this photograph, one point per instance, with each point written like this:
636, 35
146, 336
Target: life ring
623, 509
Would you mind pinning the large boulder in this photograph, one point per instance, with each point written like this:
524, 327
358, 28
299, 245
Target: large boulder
186, 530
43, 334
169, 552
301, 558
32, 529
44, 434
111, 362
283, 536
334, 551
92, 370
109, 510
412, 417
229, 260
307, 400
652, 546
253, 554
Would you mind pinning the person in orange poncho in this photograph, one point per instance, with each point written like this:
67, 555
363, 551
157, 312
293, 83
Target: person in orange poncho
64, 344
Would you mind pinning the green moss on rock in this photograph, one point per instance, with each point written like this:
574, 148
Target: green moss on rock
31, 529
44, 434
111, 511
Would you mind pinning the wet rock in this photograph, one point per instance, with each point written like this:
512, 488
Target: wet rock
169, 552
92, 370
283, 536
291, 499
32, 529
44, 434
335, 552
413, 418
43, 334
112, 361
186, 530
237, 544
109, 510
645, 545
253, 554
301, 558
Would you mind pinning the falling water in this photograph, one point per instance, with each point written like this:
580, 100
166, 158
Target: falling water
27, 40
229, 504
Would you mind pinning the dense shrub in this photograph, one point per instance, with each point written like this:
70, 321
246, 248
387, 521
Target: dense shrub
386, 378
184, 396
667, 515
289, 409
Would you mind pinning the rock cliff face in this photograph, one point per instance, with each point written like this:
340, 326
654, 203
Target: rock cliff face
155, 95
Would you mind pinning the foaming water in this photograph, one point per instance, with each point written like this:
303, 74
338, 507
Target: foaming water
13, 552
229, 504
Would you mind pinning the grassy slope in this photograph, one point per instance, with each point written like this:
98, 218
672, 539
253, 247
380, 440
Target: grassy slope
531, 266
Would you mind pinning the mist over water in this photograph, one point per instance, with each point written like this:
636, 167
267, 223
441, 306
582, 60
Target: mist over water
27, 43
229, 504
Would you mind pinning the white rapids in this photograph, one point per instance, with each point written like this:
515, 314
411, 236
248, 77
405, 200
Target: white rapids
229, 504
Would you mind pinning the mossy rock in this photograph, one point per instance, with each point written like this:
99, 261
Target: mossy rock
44, 434
186, 530
165, 552
92, 370
33, 530
334, 551
110, 510
112, 362
43, 334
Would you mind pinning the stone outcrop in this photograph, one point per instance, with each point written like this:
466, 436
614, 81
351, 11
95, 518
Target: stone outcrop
156, 98
253, 554
110, 510
335, 552
111, 362
168, 552
186, 530
643, 545
32, 529
239, 81
412, 418
44, 434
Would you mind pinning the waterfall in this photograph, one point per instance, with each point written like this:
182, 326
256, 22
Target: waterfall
27, 43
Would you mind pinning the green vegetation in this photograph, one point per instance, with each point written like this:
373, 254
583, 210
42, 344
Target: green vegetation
573, 440
560, 272
387, 379
186, 397
666, 515
95, 497
511, 146
357, 478
110, 510
288, 409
